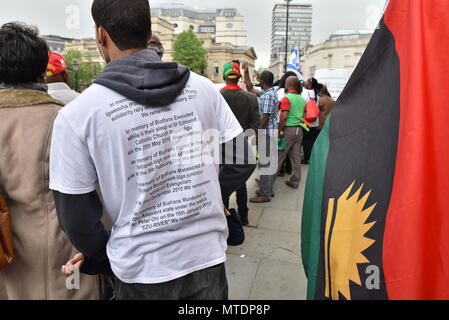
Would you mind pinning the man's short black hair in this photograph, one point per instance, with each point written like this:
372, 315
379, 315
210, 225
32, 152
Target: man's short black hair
267, 77
128, 22
23, 55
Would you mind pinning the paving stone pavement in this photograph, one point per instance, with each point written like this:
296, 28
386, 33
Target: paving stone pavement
268, 265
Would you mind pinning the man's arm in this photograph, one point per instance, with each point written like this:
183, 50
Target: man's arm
80, 218
255, 115
249, 84
283, 120
284, 106
235, 170
265, 119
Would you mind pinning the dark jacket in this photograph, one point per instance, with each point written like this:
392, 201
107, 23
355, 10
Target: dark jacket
245, 107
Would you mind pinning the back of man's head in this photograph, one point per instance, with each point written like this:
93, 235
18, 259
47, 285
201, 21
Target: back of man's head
292, 83
267, 78
23, 55
128, 22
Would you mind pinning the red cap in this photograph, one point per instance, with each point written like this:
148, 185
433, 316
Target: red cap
56, 64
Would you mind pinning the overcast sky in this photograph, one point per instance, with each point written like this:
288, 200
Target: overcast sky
72, 18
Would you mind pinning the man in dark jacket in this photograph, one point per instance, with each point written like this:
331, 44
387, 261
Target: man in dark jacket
138, 133
245, 107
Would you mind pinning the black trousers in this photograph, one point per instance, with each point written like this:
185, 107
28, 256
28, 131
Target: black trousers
309, 141
207, 284
242, 201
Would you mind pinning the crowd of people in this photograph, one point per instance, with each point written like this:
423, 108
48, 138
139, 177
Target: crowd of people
72, 165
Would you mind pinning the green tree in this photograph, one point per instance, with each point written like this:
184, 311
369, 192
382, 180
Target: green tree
189, 51
87, 72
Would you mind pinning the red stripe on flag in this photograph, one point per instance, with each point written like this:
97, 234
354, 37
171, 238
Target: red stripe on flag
416, 240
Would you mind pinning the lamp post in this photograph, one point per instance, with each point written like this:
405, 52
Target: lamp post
286, 36
75, 66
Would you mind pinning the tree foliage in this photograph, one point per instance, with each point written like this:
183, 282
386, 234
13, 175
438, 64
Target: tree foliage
189, 51
88, 71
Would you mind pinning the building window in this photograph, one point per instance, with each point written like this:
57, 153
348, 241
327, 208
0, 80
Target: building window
229, 25
216, 69
312, 71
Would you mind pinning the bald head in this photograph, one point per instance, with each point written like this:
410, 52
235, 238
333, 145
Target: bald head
154, 38
156, 45
292, 83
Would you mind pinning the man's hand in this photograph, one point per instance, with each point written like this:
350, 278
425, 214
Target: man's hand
77, 262
248, 83
226, 212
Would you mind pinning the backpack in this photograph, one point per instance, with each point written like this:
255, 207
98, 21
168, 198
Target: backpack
312, 111
6, 249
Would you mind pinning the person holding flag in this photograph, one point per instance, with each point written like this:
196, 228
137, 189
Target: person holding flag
375, 223
295, 64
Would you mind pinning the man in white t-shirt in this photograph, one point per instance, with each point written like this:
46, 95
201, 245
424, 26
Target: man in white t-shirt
140, 132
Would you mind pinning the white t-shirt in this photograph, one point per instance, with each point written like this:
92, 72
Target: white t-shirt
62, 92
168, 217
310, 95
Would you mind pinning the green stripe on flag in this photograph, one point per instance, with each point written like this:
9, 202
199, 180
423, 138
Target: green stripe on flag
311, 212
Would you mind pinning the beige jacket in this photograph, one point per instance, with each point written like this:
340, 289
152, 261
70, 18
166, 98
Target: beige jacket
40, 246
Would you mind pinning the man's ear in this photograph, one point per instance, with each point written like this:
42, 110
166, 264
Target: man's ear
42, 78
66, 77
102, 36
149, 37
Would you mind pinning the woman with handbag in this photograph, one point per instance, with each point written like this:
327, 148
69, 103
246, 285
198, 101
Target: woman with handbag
27, 113
311, 93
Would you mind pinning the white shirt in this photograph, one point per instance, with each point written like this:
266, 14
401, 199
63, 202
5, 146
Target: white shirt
310, 95
168, 217
62, 92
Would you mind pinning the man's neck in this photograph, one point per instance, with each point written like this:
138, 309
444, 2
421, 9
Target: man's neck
265, 88
125, 53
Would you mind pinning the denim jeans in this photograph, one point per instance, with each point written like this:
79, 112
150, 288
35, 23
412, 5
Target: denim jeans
207, 284
267, 181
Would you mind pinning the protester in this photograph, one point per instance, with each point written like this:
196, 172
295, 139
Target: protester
286, 167
27, 112
270, 120
58, 79
292, 112
156, 45
246, 109
311, 93
326, 105
124, 133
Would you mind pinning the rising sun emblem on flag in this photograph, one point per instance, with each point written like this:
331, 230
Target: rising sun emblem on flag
345, 241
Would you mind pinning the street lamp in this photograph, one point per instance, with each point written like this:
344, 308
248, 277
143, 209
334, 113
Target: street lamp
286, 36
75, 66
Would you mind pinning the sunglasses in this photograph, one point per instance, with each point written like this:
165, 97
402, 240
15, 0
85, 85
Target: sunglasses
156, 47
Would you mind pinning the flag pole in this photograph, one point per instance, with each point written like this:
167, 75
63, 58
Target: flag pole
286, 37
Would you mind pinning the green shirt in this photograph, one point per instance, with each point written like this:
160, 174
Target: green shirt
296, 112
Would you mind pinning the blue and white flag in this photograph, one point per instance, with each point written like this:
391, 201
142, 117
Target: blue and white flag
295, 64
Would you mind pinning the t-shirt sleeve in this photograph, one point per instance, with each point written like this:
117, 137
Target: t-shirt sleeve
285, 105
305, 96
228, 125
71, 168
